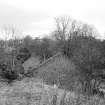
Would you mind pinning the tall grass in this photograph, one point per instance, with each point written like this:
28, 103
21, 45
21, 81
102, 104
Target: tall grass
31, 92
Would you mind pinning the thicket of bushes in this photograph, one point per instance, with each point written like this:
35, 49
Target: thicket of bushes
11, 65
88, 55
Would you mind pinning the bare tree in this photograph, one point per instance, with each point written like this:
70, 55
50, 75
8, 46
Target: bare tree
88, 30
62, 24
65, 28
11, 32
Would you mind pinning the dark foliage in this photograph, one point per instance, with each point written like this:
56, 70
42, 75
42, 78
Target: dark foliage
43, 48
23, 55
10, 67
87, 54
6, 73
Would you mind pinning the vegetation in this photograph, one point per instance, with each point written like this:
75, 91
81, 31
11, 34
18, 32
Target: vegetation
31, 91
81, 67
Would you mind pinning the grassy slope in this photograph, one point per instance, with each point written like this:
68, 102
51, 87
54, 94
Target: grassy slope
31, 92
60, 68
27, 92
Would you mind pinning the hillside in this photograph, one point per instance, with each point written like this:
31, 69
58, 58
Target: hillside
58, 70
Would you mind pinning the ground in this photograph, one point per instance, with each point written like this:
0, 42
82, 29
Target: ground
31, 91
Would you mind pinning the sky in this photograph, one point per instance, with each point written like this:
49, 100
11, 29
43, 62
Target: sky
36, 17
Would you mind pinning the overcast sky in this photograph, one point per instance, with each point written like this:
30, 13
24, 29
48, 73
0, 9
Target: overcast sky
35, 17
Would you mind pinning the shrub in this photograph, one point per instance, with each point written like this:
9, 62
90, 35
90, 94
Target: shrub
10, 74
